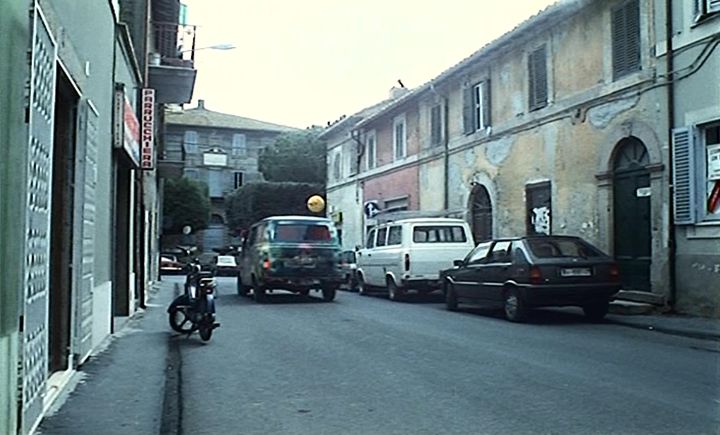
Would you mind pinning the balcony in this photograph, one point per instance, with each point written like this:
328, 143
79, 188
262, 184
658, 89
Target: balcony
171, 62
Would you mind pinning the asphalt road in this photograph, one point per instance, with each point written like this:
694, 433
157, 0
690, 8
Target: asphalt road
368, 365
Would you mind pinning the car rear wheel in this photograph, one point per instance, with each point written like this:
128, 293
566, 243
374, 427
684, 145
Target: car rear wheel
597, 310
514, 306
394, 292
258, 291
451, 301
242, 289
328, 294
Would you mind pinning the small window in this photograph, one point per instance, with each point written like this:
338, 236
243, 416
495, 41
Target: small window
238, 178
370, 242
395, 235
537, 78
501, 252
382, 234
436, 125
190, 142
191, 173
703, 8
439, 234
625, 28
399, 138
370, 150
337, 167
301, 232
239, 145
479, 254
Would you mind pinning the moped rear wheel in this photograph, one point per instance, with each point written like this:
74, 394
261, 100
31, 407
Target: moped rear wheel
180, 321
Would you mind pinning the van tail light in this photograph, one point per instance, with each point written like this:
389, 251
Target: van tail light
267, 264
407, 262
536, 276
614, 272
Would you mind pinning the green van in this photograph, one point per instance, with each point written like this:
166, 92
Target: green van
294, 253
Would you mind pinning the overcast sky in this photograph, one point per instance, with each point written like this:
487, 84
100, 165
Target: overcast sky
305, 62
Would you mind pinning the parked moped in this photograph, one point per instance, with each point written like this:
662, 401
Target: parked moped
194, 310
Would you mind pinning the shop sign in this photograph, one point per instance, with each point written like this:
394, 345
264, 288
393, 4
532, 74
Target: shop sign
147, 151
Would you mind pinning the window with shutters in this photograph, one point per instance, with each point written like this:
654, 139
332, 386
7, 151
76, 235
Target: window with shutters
476, 107
625, 29
337, 166
696, 174
190, 142
215, 183
239, 145
705, 8
400, 137
436, 125
537, 78
370, 151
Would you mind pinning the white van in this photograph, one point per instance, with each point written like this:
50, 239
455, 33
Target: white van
406, 256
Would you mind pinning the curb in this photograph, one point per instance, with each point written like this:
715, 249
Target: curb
690, 333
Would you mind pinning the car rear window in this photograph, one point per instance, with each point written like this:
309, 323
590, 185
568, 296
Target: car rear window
550, 248
439, 234
301, 232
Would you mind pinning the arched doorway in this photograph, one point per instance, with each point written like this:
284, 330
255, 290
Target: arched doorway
481, 214
631, 213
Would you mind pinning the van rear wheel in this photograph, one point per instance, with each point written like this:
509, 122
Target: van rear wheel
394, 292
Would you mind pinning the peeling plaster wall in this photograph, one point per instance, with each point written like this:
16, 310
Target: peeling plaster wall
347, 199
432, 186
403, 182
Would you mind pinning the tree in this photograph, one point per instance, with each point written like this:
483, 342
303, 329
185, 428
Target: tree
295, 156
255, 201
185, 202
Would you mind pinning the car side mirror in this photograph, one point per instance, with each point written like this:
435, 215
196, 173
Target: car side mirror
458, 263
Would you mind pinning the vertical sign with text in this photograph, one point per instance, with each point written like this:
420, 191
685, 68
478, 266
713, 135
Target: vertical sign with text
147, 152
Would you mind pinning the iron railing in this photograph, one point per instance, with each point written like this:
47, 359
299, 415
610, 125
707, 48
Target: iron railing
175, 43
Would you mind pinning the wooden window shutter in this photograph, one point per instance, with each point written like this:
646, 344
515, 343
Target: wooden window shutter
626, 38
435, 125
683, 176
468, 118
486, 103
537, 73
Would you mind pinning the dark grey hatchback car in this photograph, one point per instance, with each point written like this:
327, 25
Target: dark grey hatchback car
518, 274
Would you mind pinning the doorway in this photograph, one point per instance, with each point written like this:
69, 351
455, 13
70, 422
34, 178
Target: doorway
481, 214
631, 213
62, 223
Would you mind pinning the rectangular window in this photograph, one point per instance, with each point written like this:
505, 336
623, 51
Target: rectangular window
239, 146
370, 242
696, 173
190, 142
382, 234
193, 174
439, 234
399, 138
712, 171
476, 107
537, 78
238, 179
371, 151
215, 183
396, 204
539, 208
625, 28
395, 235
703, 8
436, 125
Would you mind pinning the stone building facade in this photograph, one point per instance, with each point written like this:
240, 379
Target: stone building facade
220, 150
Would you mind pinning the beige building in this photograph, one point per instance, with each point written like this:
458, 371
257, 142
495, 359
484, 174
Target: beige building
562, 126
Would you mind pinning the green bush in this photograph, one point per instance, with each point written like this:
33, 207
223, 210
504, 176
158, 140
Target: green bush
185, 202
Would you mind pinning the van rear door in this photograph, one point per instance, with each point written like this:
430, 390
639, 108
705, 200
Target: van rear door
435, 246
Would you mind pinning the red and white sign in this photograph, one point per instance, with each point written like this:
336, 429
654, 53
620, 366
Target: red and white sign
147, 139
127, 128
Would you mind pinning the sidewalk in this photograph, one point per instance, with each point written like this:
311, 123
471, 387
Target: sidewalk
121, 389
676, 324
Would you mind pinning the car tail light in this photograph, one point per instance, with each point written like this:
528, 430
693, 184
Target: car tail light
536, 276
267, 264
407, 262
615, 272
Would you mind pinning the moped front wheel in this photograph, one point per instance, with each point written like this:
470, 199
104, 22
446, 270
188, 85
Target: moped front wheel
180, 320
205, 328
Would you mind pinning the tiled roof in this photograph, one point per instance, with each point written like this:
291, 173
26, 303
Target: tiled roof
201, 117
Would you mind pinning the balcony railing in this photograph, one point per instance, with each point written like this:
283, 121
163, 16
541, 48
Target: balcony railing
175, 43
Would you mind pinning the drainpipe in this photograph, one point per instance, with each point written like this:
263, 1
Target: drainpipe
671, 123
446, 154
355, 135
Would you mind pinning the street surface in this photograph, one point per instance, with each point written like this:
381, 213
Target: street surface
368, 365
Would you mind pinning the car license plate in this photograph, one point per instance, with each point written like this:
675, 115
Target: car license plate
576, 271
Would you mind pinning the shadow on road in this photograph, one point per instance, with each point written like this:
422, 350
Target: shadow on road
540, 316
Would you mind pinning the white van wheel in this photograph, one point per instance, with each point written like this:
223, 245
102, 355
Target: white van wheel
394, 293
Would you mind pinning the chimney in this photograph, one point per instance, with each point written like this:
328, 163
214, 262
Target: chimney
396, 92
201, 104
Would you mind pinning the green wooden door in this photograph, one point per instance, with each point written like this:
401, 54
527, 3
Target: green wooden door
631, 205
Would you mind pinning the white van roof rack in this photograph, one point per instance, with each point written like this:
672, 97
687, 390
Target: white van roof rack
390, 215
